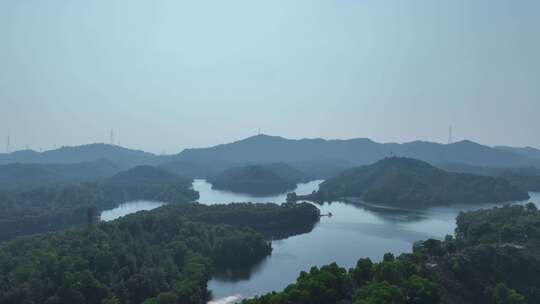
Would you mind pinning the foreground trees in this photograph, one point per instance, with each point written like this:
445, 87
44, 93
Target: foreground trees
161, 256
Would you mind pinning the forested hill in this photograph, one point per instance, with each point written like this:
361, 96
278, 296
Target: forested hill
19, 175
405, 182
358, 151
166, 255
494, 258
261, 179
32, 210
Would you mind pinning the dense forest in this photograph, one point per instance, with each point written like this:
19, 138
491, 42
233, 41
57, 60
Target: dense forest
161, 256
262, 179
405, 182
32, 210
493, 259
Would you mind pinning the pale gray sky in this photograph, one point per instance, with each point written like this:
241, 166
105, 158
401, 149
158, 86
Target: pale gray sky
167, 75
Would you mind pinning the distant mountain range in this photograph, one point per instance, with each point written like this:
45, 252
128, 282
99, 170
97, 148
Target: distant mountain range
200, 162
525, 151
360, 151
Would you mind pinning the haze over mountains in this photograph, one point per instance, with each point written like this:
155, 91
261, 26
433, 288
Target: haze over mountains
267, 149
122, 157
264, 148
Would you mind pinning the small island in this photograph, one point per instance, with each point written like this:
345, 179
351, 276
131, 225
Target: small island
410, 183
260, 179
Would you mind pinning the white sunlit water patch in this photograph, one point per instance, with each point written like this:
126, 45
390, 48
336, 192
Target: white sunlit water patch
129, 207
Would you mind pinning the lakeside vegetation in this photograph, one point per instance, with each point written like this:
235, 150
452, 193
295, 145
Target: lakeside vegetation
34, 210
166, 255
406, 182
261, 179
494, 258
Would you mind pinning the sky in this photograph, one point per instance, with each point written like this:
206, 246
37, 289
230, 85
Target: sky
167, 75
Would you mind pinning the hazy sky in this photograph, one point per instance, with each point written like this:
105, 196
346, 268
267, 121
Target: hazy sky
167, 75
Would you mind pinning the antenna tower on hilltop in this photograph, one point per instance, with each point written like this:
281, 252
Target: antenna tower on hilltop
8, 143
450, 139
112, 137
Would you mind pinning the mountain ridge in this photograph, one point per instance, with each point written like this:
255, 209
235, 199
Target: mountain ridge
271, 149
359, 151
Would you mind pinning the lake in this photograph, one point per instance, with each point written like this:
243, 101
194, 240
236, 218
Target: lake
352, 232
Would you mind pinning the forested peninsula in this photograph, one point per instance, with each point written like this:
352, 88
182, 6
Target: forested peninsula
166, 255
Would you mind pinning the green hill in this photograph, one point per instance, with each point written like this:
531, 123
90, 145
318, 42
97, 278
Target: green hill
405, 182
262, 179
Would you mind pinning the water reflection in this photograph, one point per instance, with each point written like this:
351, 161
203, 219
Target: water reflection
239, 273
210, 196
385, 213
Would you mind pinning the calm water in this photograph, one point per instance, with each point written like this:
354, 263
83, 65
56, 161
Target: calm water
352, 232
127, 208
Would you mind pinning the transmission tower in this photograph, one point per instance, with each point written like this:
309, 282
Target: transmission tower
450, 139
8, 143
111, 139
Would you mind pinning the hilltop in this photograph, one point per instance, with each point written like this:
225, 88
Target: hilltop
406, 182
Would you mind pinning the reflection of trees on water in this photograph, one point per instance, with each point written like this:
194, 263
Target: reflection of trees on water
398, 215
244, 273
280, 234
237, 274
